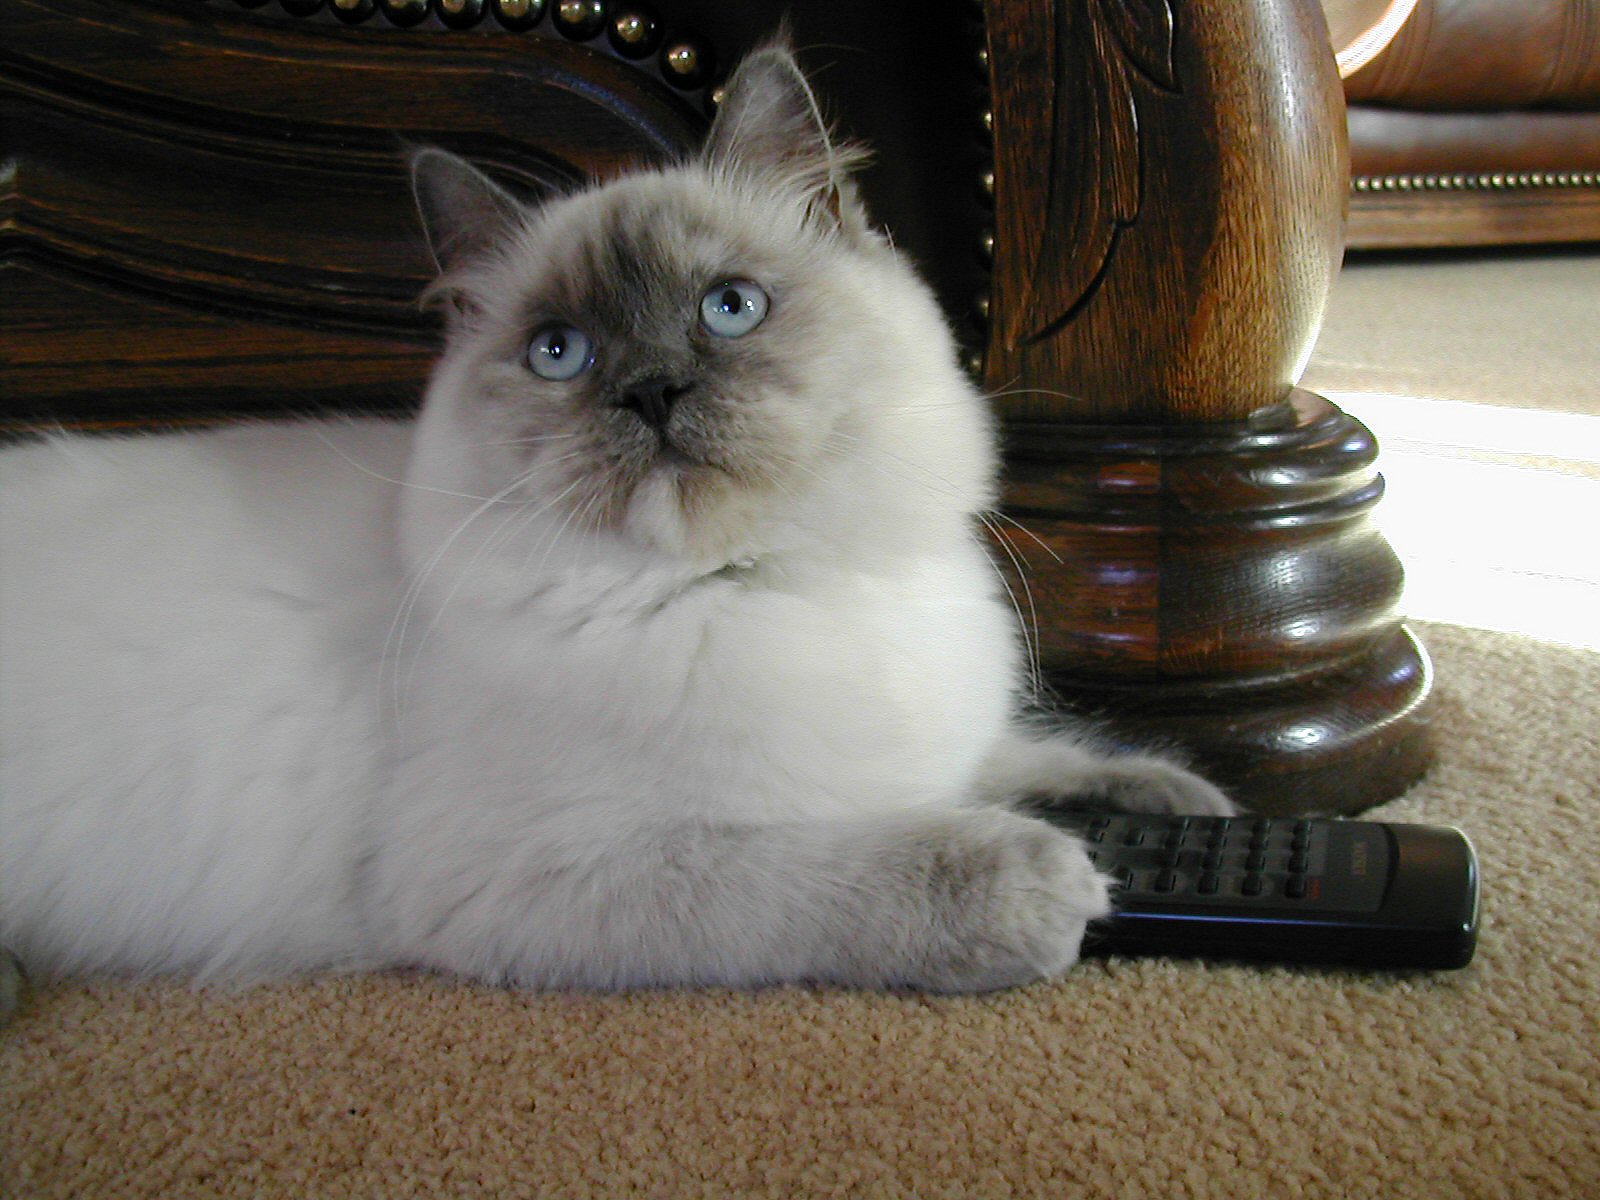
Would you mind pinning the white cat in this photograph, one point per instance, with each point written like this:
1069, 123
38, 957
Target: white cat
675, 658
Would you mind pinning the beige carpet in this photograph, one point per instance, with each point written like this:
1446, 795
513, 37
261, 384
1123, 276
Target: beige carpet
1124, 1079
1519, 330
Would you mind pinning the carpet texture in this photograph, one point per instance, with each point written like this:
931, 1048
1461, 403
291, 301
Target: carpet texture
1123, 1079
1510, 329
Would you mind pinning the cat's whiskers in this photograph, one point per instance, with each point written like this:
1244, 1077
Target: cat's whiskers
464, 574
590, 507
532, 440
1008, 390
365, 470
1027, 623
552, 537
949, 489
394, 642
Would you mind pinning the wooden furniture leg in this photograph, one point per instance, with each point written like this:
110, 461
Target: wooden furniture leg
1170, 182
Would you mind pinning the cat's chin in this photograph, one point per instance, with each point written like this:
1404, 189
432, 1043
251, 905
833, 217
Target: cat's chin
697, 513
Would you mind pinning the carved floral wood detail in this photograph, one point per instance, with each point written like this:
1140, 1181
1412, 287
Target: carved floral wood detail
1103, 53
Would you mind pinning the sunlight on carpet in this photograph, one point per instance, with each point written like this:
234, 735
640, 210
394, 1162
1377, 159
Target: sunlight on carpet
1493, 511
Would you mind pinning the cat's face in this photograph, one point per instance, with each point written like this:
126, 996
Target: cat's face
711, 360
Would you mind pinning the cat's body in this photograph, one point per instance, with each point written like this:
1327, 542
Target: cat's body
675, 657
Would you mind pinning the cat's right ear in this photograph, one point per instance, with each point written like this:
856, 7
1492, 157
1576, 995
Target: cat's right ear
463, 210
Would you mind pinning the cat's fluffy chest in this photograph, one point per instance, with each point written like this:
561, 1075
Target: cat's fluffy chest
735, 697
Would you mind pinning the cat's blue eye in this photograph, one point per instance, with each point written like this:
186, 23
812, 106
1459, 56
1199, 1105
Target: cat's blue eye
559, 352
734, 308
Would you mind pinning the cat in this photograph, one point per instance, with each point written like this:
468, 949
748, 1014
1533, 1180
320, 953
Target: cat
662, 648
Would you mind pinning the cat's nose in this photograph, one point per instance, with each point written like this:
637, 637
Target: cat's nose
652, 398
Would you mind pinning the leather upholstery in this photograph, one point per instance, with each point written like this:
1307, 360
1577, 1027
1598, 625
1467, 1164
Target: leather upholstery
1392, 141
1489, 54
1479, 124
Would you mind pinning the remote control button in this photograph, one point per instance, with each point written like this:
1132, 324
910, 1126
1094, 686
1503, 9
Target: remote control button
1135, 837
1167, 881
1212, 861
1299, 862
1252, 885
1174, 839
1210, 881
1256, 860
1295, 888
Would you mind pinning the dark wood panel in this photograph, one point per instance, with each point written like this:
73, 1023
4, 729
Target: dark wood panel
213, 159
82, 353
170, 135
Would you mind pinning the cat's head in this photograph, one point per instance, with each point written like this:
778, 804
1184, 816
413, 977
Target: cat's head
714, 361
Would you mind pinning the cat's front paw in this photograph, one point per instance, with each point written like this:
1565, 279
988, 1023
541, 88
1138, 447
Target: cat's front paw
1144, 784
1017, 896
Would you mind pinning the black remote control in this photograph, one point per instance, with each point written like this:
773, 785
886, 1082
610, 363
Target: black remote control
1285, 889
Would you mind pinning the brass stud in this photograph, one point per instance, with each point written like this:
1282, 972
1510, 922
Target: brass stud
983, 59
986, 184
975, 365
715, 96
580, 19
986, 245
980, 305
460, 14
687, 62
404, 13
351, 11
634, 33
519, 14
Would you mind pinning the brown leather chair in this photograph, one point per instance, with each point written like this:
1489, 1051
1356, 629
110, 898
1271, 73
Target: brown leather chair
1479, 125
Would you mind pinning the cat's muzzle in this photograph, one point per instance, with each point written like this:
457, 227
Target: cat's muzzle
653, 398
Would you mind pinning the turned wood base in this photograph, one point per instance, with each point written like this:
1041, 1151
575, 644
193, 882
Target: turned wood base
1221, 587
1331, 744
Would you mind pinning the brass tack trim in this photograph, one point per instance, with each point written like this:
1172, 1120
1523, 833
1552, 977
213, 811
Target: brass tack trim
1486, 181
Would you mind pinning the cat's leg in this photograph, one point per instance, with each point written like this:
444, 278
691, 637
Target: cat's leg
947, 900
1035, 771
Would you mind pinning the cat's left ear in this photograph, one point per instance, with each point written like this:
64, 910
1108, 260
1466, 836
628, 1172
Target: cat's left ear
463, 210
770, 125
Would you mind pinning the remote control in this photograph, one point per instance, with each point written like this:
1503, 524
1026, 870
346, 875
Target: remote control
1285, 889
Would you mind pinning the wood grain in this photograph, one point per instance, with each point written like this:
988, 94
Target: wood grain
1221, 180
1170, 188
216, 193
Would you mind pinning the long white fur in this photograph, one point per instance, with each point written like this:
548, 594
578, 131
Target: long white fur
340, 695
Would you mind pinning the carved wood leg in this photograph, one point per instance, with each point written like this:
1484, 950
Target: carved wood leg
1170, 188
